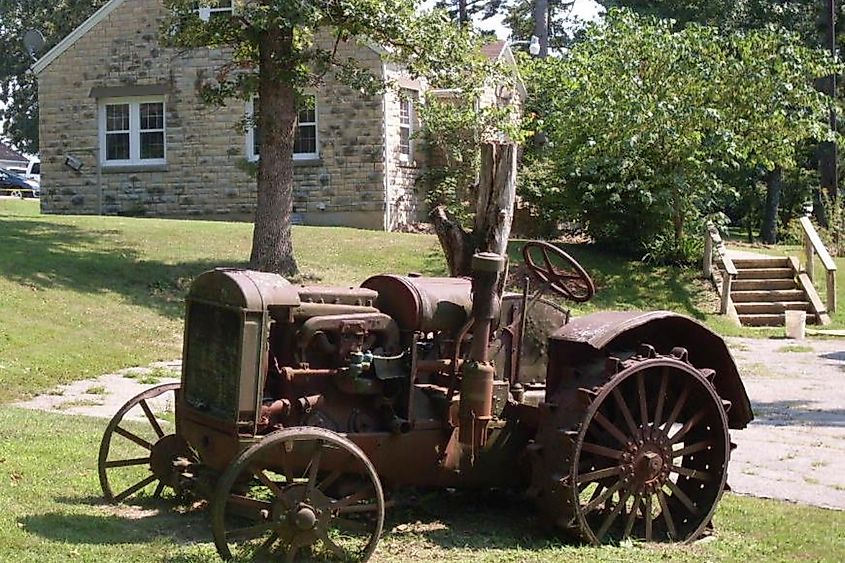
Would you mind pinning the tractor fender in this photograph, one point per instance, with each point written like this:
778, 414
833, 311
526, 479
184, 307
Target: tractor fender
603, 334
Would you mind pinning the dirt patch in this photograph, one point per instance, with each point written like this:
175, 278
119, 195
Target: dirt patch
795, 447
103, 397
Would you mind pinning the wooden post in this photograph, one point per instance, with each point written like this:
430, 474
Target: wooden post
493, 212
708, 252
726, 291
496, 195
810, 257
831, 291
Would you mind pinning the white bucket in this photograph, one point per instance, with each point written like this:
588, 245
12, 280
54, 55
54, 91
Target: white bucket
796, 322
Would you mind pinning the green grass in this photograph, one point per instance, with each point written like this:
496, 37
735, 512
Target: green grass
81, 296
51, 511
797, 348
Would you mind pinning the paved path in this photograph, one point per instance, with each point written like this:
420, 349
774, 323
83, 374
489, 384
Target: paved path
795, 447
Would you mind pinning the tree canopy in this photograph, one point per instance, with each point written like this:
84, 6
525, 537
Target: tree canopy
644, 122
279, 48
55, 19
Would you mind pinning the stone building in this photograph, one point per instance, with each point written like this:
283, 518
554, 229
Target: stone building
124, 131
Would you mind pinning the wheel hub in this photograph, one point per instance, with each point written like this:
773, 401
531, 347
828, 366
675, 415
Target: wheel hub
646, 464
164, 453
303, 517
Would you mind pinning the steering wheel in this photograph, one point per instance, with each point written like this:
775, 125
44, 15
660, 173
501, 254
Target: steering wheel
559, 271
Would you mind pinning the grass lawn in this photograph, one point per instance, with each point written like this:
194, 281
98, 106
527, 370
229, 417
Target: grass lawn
80, 296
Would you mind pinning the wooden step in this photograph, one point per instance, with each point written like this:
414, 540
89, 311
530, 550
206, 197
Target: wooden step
776, 295
765, 273
749, 285
773, 262
768, 307
766, 319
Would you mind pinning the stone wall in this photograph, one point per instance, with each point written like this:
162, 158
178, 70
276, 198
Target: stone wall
206, 171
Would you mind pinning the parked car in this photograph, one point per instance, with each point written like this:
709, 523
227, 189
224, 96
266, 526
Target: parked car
16, 186
33, 171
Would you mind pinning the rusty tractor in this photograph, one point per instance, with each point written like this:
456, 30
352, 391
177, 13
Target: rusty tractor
301, 407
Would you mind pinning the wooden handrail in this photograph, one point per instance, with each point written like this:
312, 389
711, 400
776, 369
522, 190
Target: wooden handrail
813, 246
713, 241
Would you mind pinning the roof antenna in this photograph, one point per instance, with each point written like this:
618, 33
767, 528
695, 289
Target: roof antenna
33, 41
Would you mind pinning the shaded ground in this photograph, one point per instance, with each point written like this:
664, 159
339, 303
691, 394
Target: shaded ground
795, 447
793, 450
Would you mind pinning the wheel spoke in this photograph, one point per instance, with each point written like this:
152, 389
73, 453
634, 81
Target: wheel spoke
626, 412
696, 418
642, 399
679, 494
673, 416
265, 547
314, 465
250, 532
135, 488
126, 462
610, 427
661, 397
693, 473
667, 516
353, 526
599, 474
648, 517
151, 417
355, 497
693, 448
329, 479
287, 469
632, 516
267, 482
132, 437
601, 450
613, 515
159, 490
595, 502
255, 505
333, 547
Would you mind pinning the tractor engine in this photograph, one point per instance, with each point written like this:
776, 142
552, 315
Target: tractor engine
343, 358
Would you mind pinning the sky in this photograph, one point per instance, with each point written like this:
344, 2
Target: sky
583, 9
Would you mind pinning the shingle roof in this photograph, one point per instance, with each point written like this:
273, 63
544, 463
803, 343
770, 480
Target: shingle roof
8, 153
493, 50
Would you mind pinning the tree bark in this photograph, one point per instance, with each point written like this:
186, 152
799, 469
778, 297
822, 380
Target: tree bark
494, 212
272, 247
774, 187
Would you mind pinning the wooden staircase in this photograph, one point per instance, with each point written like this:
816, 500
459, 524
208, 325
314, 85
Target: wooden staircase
766, 287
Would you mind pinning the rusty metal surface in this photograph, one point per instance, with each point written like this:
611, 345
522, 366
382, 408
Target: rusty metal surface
423, 304
245, 289
619, 330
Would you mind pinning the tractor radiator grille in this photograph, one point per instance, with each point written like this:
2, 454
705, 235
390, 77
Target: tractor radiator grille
212, 362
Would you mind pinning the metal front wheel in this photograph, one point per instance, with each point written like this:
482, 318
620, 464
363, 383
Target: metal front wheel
648, 457
138, 449
297, 494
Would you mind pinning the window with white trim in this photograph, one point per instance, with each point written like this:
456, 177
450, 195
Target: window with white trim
306, 139
132, 131
406, 123
215, 9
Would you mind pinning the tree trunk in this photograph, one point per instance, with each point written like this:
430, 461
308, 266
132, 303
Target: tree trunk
494, 212
272, 247
774, 186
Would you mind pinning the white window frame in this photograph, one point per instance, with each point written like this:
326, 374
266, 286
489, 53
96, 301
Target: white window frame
407, 96
135, 130
250, 132
207, 12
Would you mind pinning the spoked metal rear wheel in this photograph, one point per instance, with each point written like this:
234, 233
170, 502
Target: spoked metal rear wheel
139, 447
648, 458
299, 494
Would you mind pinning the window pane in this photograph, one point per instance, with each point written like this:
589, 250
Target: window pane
152, 116
152, 145
117, 146
404, 140
117, 117
256, 140
306, 140
308, 115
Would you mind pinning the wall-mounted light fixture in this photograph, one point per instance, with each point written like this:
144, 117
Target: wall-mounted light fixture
73, 163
